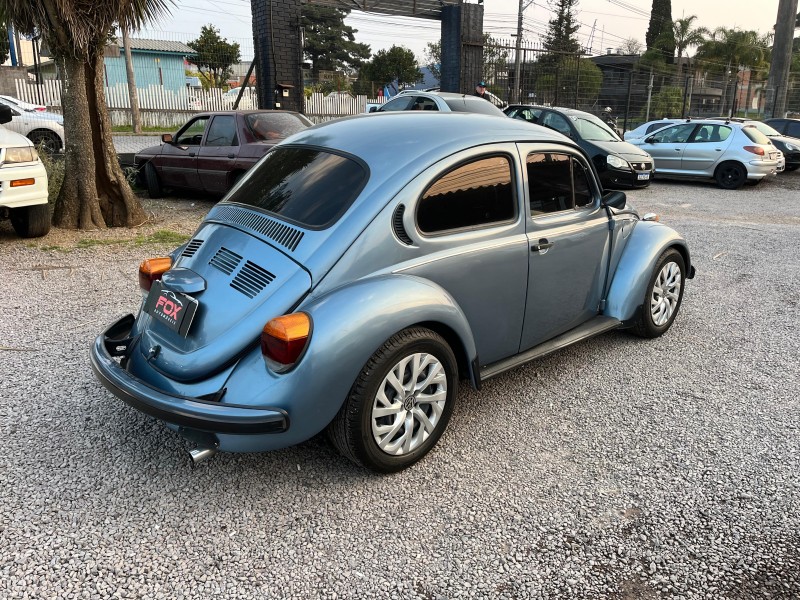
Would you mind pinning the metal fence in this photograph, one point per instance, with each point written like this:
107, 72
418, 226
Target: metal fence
634, 90
170, 87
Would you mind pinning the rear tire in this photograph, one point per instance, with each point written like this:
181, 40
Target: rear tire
663, 297
154, 189
730, 175
31, 221
45, 140
400, 404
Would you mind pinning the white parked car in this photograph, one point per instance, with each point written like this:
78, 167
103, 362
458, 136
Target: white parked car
43, 128
249, 99
22, 104
646, 129
23, 182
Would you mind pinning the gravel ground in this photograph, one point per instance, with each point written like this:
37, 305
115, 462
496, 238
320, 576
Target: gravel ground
618, 468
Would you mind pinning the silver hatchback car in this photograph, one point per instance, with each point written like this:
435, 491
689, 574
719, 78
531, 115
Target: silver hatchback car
728, 152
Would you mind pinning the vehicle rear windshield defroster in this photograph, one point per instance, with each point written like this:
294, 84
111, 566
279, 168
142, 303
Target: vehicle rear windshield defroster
311, 187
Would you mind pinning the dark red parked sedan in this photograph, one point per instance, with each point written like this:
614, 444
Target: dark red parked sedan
213, 150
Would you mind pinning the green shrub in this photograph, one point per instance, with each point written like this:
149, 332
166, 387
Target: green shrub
54, 165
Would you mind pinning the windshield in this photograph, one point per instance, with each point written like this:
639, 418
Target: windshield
764, 128
308, 186
593, 129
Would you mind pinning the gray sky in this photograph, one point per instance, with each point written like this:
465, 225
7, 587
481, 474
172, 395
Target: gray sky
613, 21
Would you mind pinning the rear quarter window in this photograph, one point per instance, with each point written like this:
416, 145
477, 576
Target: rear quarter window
754, 135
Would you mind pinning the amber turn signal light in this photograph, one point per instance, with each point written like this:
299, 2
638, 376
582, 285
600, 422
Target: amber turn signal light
21, 182
284, 338
152, 269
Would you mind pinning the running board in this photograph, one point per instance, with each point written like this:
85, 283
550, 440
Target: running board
591, 328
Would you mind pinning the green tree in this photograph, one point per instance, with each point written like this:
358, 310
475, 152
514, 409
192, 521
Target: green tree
570, 84
495, 58
687, 36
5, 46
214, 56
396, 66
330, 44
660, 36
96, 194
561, 29
668, 102
433, 58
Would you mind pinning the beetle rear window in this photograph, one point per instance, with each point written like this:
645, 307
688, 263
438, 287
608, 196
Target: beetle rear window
308, 186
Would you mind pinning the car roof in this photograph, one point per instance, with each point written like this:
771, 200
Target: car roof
243, 112
561, 109
401, 138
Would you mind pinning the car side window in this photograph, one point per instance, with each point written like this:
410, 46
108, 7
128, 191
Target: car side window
556, 182
474, 194
793, 129
401, 103
222, 131
654, 126
192, 133
422, 103
557, 122
675, 135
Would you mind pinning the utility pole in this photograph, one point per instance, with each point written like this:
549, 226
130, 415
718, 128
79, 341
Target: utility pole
781, 59
136, 120
517, 61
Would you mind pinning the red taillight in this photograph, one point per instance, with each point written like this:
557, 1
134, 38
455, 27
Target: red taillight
152, 269
755, 150
284, 338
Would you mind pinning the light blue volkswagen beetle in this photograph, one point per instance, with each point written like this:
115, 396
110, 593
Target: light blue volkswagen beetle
365, 266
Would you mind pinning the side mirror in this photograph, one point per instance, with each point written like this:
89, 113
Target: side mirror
615, 200
650, 140
166, 138
373, 109
5, 114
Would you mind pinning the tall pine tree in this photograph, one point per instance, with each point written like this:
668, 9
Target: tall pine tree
562, 28
660, 35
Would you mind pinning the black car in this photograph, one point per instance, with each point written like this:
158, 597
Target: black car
790, 146
787, 126
619, 164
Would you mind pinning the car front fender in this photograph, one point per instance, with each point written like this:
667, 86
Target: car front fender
648, 241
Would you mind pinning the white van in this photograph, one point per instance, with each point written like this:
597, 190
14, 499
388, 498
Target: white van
23, 182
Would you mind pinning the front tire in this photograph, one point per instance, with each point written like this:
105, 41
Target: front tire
154, 189
45, 140
731, 175
31, 221
663, 297
400, 404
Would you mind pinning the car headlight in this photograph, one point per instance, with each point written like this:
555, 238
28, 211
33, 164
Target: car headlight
617, 162
21, 155
791, 147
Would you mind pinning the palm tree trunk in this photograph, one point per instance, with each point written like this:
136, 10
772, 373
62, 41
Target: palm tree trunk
97, 194
77, 206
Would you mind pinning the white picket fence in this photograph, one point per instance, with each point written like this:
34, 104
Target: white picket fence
161, 107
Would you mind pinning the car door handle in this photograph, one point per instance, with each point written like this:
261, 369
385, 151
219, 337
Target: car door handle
231, 156
191, 153
678, 149
542, 247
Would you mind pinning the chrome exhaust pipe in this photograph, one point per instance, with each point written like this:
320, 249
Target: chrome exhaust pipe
198, 454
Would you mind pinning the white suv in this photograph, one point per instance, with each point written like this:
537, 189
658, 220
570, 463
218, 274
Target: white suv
23, 182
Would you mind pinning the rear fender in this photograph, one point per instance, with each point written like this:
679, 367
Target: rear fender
348, 325
355, 320
647, 242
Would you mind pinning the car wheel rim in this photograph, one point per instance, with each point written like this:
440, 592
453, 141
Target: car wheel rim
409, 403
666, 294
